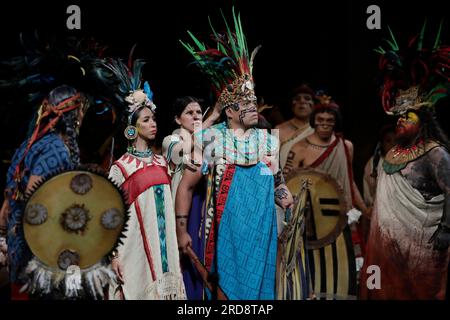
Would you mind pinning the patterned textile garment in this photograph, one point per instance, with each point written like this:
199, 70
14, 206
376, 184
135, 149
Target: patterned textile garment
192, 280
240, 199
47, 155
401, 227
149, 254
247, 248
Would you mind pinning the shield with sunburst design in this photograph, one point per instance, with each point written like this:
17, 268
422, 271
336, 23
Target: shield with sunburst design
74, 218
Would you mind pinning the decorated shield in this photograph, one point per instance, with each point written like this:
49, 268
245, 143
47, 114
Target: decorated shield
325, 212
72, 221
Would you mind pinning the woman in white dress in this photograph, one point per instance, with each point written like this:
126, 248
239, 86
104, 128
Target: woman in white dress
147, 263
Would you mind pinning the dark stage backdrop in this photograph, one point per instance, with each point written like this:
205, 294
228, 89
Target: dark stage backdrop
324, 43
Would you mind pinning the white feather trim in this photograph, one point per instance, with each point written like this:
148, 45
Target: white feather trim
77, 282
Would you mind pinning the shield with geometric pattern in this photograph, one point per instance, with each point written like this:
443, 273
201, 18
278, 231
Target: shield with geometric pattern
327, 215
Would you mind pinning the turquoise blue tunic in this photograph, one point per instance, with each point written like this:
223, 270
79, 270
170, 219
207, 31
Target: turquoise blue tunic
247, 238
244, 254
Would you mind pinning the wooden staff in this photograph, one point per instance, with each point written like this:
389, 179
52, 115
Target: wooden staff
204, 274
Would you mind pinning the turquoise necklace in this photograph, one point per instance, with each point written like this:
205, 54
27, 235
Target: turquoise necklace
141, 154
242, 147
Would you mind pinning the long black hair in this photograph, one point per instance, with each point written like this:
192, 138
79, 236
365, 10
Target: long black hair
431, 129
181, 103
136, 114
67, 125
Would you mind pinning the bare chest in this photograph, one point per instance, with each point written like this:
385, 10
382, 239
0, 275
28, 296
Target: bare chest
418, 174
311, 154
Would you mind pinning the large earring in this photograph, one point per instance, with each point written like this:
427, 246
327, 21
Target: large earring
130, 132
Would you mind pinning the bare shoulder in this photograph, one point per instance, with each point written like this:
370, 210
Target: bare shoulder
300, 146
283, 125
349, 144
439, 150
439, 153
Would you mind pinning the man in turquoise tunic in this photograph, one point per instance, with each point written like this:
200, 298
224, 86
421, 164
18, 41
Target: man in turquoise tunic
244, 179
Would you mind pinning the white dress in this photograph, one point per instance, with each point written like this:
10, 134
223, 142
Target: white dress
149, 253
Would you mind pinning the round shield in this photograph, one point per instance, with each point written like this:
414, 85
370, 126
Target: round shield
74, 218
326, 214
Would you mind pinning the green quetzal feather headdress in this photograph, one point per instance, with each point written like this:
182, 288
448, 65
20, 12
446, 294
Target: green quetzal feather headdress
416, 76
229, 65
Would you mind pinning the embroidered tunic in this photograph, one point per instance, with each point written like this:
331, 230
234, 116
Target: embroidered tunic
149, 254
241, 201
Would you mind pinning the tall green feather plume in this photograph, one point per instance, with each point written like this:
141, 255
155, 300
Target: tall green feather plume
415, 65
220, 46
228, 59
422, 34
438, 36
438, 92
393, 43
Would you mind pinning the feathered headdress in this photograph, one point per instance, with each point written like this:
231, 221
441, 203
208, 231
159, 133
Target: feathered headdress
26, 80
229, 65
48, 63
324, 101
414, 77
45, 65
132, 92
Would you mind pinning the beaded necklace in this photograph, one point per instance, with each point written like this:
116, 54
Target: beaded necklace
141, 154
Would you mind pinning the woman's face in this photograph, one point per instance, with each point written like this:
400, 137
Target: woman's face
146, 124
191, 117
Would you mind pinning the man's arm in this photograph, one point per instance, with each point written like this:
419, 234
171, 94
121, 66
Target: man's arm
440, 170
369, 183
213, 117
359, 202
283, 196
183, 201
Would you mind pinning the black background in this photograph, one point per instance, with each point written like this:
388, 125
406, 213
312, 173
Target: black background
324, 43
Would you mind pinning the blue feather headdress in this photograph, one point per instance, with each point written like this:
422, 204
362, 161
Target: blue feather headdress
133, 93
